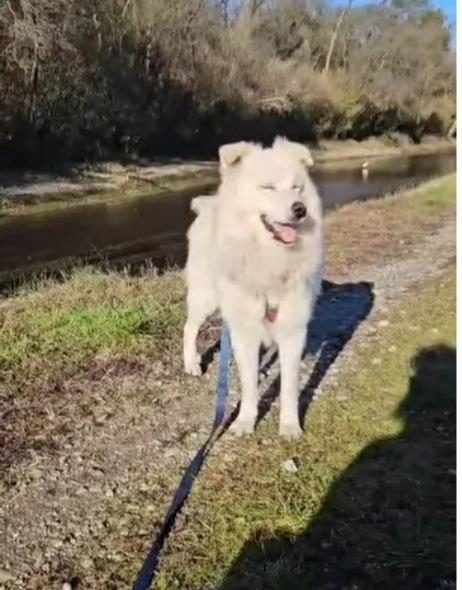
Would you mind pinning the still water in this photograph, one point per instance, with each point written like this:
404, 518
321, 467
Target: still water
153, 228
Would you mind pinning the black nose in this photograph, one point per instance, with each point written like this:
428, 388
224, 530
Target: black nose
298, 209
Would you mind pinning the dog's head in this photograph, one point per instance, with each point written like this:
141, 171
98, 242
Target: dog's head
271, 187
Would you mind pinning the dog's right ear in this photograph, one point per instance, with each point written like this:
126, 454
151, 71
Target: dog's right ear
232, 153
295, 149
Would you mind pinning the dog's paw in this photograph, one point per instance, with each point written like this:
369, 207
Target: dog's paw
193, 366
290, 430
241, 427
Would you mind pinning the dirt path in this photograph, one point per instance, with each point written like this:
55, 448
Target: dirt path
72, 509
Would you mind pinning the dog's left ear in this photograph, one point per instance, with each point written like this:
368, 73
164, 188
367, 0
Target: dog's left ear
296, 150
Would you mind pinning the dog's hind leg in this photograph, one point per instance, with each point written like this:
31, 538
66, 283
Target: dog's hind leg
200, 307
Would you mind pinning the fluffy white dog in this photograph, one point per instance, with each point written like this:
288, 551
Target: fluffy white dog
255, 253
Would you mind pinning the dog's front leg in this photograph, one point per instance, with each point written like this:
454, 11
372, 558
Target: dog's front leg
242, 311
246, 347
290, 331
291, 347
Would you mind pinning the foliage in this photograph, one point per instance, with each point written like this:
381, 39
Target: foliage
88, 79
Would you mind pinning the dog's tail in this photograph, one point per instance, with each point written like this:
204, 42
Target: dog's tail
202, 203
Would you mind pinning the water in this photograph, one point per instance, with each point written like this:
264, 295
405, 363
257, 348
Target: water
153, 228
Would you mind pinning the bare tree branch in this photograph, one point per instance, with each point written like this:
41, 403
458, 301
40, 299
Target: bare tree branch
335, 35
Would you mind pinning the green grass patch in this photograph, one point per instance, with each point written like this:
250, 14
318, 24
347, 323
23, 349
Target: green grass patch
54, 327
373, 502
438, 191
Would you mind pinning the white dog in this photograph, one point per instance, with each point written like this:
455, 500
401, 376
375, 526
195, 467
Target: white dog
255, 253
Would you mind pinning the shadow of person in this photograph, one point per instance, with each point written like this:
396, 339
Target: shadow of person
388, 522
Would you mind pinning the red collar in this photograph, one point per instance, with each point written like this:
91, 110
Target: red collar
271, 313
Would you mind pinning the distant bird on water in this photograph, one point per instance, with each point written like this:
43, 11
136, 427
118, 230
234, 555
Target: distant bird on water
365, 170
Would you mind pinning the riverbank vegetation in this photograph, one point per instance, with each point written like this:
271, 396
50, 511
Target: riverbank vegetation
98, 80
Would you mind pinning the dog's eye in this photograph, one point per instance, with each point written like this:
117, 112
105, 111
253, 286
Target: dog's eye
297, 188
267, 187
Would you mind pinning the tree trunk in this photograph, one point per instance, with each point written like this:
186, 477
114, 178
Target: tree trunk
453, 129
334, 37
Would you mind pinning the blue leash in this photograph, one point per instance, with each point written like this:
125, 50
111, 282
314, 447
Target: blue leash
148, 571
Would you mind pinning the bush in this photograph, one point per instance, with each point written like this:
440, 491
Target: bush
82, 79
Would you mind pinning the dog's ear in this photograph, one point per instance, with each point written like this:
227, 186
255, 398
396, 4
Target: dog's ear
232, 153
296, 150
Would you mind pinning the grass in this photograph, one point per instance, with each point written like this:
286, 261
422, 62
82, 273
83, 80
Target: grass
376, 230
373, 502
53, 327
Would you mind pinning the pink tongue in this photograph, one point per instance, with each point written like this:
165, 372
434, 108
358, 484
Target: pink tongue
285, 233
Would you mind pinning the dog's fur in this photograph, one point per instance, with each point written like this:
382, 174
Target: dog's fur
235, 264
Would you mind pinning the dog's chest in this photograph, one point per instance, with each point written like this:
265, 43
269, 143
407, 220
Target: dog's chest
270, 273
267, 270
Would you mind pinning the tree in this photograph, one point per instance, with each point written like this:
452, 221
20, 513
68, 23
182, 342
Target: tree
335, 35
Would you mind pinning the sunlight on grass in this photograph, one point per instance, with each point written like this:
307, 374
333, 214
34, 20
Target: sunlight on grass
369, 462
57, 325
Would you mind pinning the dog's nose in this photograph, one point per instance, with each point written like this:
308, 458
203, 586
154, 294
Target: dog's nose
298, 209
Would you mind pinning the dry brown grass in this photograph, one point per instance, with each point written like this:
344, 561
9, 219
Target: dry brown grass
373, 232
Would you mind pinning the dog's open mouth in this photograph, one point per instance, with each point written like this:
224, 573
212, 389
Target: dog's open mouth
283, 232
